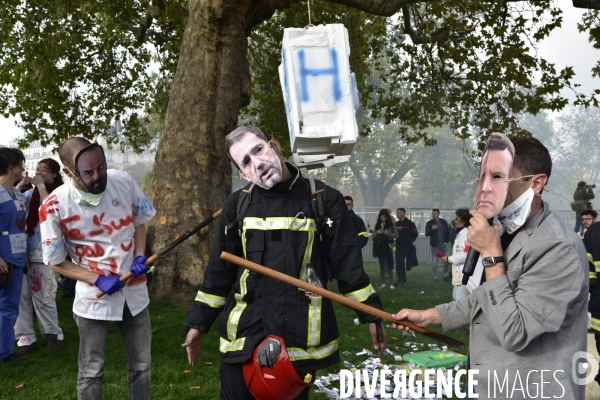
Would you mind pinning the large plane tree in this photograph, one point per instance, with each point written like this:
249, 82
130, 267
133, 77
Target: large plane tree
71, 67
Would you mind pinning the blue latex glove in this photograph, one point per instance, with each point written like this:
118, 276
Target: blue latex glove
138, 267
109, 284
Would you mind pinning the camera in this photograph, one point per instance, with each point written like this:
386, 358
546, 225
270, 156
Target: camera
591, 186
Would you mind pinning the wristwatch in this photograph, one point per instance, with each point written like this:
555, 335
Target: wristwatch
491, 261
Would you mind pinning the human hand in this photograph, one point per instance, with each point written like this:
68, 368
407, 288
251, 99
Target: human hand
109, 284
440, 253
138, 267
434, 227
26, 179
483, 237
3, 267
37, 179
192, 345
421, 318
377, 344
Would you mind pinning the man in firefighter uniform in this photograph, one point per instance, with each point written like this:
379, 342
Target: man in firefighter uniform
278, 229
591, 241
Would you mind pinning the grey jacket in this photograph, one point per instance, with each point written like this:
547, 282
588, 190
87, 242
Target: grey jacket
533, 318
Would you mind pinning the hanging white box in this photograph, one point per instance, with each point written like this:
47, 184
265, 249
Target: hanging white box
320, 95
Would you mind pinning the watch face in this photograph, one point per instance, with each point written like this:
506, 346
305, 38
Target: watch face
488, 261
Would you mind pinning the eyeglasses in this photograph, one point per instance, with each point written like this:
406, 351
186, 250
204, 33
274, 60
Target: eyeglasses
587, 219
42, 170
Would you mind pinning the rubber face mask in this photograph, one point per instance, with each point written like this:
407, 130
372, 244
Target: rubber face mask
86, 198
513, 216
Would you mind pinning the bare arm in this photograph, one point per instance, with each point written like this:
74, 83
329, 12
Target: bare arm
74, 271
139, 240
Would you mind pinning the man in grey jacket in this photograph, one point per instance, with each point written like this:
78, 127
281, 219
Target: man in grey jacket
528, 319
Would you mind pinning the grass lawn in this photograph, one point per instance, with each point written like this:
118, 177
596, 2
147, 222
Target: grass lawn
53, 375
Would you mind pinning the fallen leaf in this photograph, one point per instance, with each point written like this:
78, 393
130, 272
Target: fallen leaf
194, 387
170, 385
208, 363
186, 371
21, 386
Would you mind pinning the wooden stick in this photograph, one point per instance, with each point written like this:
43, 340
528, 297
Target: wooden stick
169, 247
338, 298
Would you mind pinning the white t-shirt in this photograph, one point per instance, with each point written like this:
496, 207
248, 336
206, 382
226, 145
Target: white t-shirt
100, 239
458, 258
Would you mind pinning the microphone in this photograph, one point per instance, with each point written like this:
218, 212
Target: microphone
471, 260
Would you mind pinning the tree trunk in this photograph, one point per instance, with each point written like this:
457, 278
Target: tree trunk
192, 177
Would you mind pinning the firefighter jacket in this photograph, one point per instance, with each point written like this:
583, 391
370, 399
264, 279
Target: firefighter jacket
279, 232
363, 235
591, 241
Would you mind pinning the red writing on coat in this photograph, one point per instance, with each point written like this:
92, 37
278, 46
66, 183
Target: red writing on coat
74, 234
89, 251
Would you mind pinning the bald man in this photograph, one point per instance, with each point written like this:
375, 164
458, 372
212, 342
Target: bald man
98, 218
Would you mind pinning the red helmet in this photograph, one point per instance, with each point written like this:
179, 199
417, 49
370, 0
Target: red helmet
269, 373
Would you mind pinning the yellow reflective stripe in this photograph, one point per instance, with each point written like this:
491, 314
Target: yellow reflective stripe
590, 257
307, 256
593, 275
240, 305
236, 345
297, 354
596, 323
314, 322
361, 294
365, 234
210, 299
596, 263
273, 223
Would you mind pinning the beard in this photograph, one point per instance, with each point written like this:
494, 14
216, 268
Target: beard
98, 186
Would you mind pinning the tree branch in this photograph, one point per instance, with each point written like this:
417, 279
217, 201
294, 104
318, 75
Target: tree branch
141, 32
407, 165
590, 4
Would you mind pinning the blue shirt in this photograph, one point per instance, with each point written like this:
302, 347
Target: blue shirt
13, 223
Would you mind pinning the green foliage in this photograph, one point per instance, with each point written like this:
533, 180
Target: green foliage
71, 68
591, 23
468, 65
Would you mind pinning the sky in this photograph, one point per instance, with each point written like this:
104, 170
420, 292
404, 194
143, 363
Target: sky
565, 47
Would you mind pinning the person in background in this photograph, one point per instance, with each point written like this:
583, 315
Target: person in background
359, 224
13, 245
438, 232
583, 194
459, 254
39, 284
383, 236
407, 234
588, 217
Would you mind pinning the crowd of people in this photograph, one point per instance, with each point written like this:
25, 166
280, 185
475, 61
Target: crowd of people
531, 291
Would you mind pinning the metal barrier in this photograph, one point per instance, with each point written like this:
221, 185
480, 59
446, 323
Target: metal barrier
422, 244
420, 216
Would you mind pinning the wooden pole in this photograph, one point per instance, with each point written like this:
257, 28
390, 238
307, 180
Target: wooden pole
169, 247
338, 298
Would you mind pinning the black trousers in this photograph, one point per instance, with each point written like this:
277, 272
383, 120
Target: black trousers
233, 385
401, 253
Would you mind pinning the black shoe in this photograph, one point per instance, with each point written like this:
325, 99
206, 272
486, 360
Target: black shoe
13, 357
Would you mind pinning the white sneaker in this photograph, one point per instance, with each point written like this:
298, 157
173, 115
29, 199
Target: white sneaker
392, 287
382, 286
